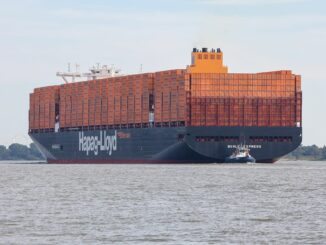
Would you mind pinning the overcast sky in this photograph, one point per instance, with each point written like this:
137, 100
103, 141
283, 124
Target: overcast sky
39, 37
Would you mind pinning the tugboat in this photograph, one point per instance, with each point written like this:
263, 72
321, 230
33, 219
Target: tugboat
240, 155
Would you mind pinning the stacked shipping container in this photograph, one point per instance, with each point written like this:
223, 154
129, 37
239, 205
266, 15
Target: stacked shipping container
43, 108
123, 101
170, 97
175, 96
263, 99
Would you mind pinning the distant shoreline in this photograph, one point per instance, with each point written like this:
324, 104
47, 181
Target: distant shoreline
308, 153
22, 161
301, 159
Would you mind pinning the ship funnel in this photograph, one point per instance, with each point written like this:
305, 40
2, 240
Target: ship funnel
207, 61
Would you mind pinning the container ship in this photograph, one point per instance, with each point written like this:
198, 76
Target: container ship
199, 114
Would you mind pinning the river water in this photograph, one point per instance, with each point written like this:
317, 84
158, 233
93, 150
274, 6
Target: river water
283, 203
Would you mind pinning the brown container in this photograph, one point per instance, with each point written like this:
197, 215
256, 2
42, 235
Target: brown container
42, 108
262, 99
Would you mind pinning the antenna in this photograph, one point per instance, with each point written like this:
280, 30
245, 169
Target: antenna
141, 68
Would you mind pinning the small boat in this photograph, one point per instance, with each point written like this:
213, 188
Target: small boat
240, 155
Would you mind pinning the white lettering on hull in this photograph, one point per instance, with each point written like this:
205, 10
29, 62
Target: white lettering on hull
248, 146
95, 144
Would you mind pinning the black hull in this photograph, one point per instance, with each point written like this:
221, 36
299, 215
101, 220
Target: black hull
166, 144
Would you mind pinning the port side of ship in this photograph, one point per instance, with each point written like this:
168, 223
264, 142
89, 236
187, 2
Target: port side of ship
166, 144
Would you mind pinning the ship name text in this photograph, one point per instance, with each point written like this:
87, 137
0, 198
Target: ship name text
247, 146
95, 144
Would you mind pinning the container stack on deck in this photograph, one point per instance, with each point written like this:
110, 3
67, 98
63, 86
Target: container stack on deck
263, 99
204, 94
170, 97
42, 111
120, 101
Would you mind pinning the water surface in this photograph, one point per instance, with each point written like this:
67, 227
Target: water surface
283, 203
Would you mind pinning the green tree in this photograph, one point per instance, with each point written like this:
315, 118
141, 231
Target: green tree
18, 151
323, 153
313, 151
3, 153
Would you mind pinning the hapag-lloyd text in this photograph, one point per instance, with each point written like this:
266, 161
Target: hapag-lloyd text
95, 144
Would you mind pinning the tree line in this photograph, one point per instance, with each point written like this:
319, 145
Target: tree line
312, 152
20, 152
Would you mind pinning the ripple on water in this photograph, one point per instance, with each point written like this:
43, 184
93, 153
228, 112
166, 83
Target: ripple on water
163, 204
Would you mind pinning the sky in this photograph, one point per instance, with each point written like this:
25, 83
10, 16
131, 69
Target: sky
38, 38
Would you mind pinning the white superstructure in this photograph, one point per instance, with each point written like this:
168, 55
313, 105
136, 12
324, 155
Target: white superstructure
96, 72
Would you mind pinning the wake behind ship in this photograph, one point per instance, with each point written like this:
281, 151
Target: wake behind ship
200, 114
